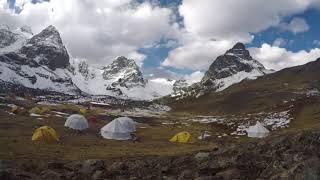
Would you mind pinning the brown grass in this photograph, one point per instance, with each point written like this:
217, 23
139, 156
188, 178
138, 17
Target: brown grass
16, 132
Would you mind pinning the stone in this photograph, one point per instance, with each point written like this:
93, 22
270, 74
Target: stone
202, 156
186, 174
97, 175
51, 175
55, 165
92, 165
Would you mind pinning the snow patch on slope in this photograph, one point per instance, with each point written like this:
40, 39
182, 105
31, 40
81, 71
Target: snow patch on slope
224, 83
91, 80
38, 78
19, 36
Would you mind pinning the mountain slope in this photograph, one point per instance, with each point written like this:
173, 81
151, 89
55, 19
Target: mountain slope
41, 63
122, 79
12, 40
123, 72
268, 92
228, 69
47, 49
232, 67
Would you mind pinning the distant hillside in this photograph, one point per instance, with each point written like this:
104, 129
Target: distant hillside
267, 92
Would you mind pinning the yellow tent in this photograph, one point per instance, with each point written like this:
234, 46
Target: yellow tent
15, 109
44, 110
83, 110
35, 110
46, 134
181, 137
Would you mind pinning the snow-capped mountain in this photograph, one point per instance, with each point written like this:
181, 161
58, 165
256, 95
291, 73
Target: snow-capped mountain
232, 67
41, 62
228, 69
180, 84
123, 72
12, 40
46, 48
124, 82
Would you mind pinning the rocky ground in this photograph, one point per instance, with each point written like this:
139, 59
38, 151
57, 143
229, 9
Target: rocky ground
288, 153
290, 156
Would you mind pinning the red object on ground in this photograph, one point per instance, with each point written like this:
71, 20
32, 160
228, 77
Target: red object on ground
93, 120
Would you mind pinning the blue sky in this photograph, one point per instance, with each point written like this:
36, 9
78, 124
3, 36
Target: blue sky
278, 33
301, 41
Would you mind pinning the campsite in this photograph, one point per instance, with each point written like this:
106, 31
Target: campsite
154, 137
159, 90
69, 135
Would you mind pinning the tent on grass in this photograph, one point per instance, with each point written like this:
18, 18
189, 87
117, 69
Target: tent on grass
128, 122
45, 134
83, 110
258, 131
181, 137
15, 109
119, 129
37, 110
77, 122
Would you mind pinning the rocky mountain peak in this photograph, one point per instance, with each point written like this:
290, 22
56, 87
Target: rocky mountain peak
180, 84
50, 36
47, 48
13, 39
4, 27
26, 29
239, 50
123, 62
239, 45
232, 67
124, 72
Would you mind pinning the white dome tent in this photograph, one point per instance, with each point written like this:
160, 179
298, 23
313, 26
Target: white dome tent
258, 131
128, 122
119, 129
77, 122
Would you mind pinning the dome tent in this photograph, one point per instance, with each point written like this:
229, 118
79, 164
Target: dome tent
258, 131
128, 122
119, 129
46, 134
181, 137
77, 122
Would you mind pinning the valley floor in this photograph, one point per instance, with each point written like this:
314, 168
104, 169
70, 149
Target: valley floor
221, 156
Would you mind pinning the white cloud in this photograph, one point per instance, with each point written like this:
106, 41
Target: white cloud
316, 42
279, 42
227, 21
138, 57
296, 25
194, 77
101, 30
98, 30
197, 55
277, 58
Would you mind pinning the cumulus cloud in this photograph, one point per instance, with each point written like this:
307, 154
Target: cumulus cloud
197, 55
101, 30
194, 77
228, 21
279, 42
316, 42
277, 58
296, 25
98, 30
